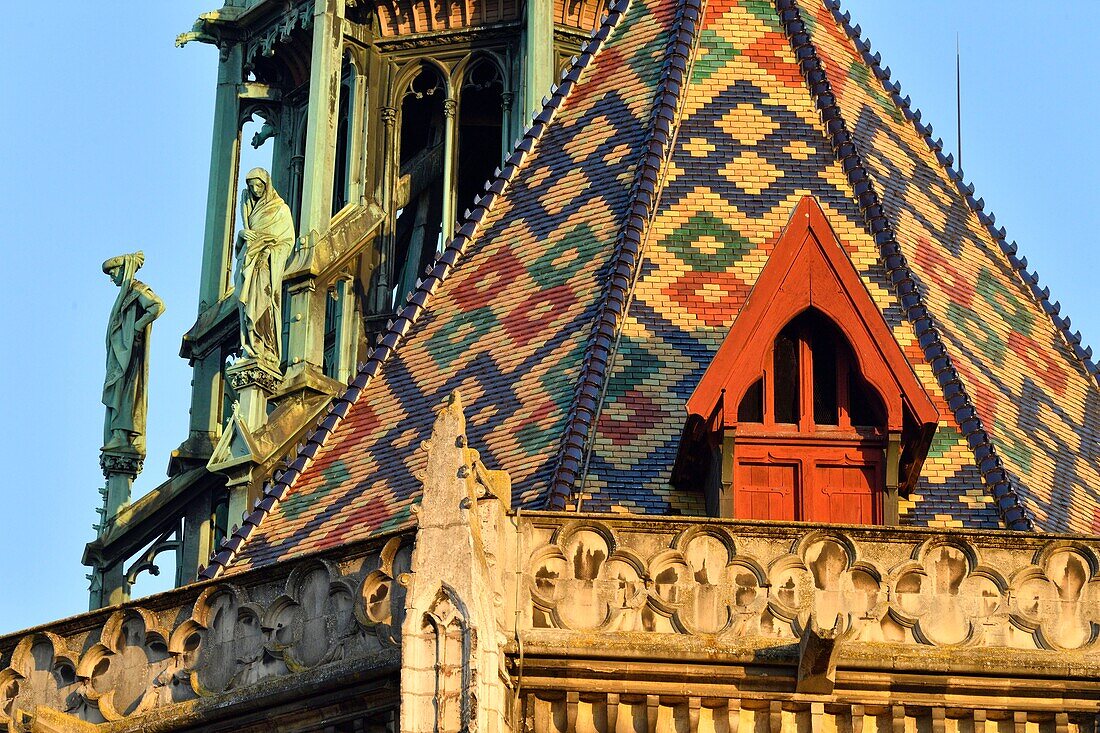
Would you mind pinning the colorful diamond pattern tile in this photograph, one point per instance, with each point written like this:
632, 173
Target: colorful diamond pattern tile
1037, 402
750, 144
511, 325
508, 327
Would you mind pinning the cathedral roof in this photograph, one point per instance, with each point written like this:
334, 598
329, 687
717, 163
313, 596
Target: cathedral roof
588, 291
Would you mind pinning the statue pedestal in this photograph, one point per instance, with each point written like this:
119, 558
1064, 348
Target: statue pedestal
254, 382
121, 467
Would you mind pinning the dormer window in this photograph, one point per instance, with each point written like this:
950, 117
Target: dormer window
809, 411
810, 437
815, 383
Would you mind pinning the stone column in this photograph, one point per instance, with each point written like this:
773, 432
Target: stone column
390, 171
198, 539
206, 384
450, 162
304, 350
539, 58
221, 195
357, 143
304, 346
108, 586
255, 382
506, 125
324, 108
346, 333
120, 469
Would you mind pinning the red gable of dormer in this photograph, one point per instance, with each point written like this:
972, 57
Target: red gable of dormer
808, 276
808, 269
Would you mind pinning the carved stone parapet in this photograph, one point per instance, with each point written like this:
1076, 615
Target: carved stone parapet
744, 581
248, 373
124, 463
198, 649
630, 623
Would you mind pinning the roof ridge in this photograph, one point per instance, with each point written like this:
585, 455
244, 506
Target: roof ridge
415, 303
1030, 279
623, 266
898, 272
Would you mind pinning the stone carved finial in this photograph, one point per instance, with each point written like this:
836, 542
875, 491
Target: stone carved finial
263, 248
452, 633
125, 386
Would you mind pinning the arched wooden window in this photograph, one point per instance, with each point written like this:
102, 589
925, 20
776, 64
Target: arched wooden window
810, 407
810, 437
815, 384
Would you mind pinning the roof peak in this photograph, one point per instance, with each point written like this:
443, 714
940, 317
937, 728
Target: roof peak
905, 286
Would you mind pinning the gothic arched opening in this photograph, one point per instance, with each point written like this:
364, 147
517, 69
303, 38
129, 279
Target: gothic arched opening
419, 199
345, 121
480, 130
816, 384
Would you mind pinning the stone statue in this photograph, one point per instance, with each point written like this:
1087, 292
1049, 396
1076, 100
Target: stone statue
125, 392
262, 250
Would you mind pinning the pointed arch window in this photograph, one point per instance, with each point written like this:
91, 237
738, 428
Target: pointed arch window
812, 384
810, 410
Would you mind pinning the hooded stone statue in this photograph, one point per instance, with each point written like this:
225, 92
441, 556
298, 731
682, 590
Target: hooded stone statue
262, 250
125, 393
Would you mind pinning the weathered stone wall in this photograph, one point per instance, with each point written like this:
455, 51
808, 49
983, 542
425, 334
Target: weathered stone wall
209, 646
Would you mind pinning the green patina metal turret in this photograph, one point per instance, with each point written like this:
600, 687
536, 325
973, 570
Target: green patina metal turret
383, 121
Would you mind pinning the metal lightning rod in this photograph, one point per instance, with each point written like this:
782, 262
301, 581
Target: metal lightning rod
958, 102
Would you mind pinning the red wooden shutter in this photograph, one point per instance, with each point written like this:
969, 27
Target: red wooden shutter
845, 489
766, 490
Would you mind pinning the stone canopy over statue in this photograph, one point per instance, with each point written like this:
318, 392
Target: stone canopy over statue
125, 387
262, 249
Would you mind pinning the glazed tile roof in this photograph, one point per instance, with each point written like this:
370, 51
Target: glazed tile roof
508, 326
581, 303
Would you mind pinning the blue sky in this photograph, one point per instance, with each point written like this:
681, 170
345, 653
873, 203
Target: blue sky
106, 149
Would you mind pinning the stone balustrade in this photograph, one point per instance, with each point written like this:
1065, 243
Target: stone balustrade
766, 581
682, 624
206, 642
